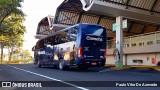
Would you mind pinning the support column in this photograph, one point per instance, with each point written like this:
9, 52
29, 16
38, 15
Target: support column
119, 42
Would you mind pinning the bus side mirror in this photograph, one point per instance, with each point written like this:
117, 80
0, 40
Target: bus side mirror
33, 49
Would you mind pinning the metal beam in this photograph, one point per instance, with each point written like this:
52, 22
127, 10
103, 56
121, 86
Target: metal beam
99, 20
157, 28
56, 17
74, 1
129, 29
74, 7
132, 6
130, 32
143, 29
79, 18
65, 24
38, 29
127, 4
66, 7
68, 18
155, 1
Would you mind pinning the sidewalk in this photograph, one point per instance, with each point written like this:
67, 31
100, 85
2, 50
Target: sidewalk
125, 67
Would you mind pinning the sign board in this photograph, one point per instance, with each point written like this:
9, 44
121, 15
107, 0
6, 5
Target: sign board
114, 27
124, 25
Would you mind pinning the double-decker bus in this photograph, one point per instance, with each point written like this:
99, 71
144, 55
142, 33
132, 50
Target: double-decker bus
81, 45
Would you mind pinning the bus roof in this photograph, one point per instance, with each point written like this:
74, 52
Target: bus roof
43, 38
67, 29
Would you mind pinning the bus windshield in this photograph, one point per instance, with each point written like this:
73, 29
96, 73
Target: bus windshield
93, 30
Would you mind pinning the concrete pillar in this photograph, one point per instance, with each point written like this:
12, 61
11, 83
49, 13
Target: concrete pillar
119, 41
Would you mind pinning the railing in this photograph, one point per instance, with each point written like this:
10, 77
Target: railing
137, 40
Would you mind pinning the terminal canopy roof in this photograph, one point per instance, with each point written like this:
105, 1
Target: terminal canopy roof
71, 12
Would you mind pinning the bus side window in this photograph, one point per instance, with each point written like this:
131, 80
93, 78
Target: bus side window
72, 33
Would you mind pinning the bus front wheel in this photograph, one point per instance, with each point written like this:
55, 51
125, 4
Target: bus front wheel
39, 65
61, 64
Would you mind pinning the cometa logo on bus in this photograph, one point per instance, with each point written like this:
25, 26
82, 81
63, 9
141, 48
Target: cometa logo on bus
93, 38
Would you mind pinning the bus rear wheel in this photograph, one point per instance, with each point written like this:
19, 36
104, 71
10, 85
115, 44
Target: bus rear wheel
61, 64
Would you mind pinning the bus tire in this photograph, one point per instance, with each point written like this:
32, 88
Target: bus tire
61, 64
39, 65
54, 66
83, 68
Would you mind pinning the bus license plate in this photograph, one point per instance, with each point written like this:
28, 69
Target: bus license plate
94, 63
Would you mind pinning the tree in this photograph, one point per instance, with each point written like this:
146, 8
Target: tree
13, 33
8, 7
2, 41
11, 27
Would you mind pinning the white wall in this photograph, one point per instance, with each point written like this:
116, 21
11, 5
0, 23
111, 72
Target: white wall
147, 59
111, 60
144, 52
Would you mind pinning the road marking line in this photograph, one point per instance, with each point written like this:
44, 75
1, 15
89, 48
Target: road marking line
105, 70
82, 88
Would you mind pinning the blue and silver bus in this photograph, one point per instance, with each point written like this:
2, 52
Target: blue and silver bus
81, 45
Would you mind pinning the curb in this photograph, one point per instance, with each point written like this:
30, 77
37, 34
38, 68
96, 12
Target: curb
156, 68
113, 68
118, 69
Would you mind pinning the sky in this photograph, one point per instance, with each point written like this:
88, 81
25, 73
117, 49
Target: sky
35, 11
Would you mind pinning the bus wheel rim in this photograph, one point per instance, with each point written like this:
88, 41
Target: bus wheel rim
61, 65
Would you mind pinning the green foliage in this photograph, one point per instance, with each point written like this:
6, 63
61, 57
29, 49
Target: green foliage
13, 30
11, 24
8, 7
11, 19
22, 56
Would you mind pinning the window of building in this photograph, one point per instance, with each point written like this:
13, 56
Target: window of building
141, 43
133, 44
149, 42
126, 45
158, 41
139, 61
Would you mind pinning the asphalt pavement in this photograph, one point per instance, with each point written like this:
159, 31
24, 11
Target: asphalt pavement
92, 79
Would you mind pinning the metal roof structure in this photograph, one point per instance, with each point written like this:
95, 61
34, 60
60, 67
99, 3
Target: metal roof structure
46, 25
71, 12
152, 6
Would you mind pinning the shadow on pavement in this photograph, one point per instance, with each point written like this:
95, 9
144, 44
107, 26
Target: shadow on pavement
93, 69
141, 70
107, 69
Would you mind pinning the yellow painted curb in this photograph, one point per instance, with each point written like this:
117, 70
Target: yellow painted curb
123, 68
157, 68
109, 65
